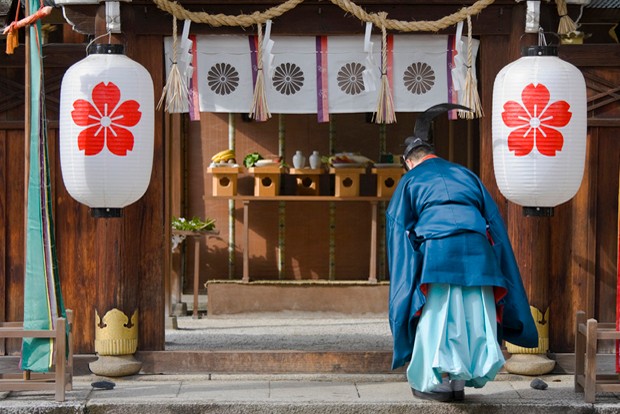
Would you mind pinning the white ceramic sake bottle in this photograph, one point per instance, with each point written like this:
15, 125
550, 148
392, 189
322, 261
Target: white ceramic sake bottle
299, 161
315, 160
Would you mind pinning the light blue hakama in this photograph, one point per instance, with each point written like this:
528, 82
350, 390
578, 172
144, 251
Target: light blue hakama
456, 335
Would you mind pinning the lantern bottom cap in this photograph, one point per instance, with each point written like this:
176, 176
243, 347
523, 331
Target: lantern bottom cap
105, 212
538, 211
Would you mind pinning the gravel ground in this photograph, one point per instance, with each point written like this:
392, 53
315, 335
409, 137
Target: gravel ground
282, 331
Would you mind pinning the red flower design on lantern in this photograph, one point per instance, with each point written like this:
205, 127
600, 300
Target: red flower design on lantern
106, 121
536, 122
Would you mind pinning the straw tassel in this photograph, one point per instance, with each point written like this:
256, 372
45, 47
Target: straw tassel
259, 110
567, 25
176, 91
385, 105
471, 97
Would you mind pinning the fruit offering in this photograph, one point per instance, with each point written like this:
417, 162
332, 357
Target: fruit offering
224, 157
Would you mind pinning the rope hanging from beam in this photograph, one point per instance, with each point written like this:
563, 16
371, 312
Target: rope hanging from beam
385, 106
377, 19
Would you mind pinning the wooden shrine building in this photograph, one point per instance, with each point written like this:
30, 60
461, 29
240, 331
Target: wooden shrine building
568, 261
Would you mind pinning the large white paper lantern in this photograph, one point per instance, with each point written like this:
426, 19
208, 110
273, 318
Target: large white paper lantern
106, 130
539, 129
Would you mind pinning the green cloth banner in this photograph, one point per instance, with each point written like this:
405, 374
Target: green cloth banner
42, 295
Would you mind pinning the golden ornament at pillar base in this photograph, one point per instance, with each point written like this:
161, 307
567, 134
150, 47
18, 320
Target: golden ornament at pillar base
543, 346
532, 361
114, 334
542, 326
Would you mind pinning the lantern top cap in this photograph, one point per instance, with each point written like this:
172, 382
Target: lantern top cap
539, 51
107, 49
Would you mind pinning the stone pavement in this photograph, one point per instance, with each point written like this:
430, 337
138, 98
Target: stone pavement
205, 391
300, 394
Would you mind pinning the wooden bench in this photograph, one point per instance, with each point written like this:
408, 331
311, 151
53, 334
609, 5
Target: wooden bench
587, 335
61, 379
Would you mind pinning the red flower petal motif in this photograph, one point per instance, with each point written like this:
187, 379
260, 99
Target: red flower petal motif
535, 122
128, 114
557, 114
84, 113
514, 114
106, 97
119, 140
91, 140
521, 141
551, 142
535, 98
106, 121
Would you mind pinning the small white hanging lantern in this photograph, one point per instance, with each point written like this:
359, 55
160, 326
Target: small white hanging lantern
106, 130
539, 130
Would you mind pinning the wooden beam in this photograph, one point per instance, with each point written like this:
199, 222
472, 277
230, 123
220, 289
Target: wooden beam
604, 122
596, 16
19, 125
309, 18
55, 55
591, 55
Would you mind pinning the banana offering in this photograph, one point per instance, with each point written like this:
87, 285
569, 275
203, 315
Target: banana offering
226, 156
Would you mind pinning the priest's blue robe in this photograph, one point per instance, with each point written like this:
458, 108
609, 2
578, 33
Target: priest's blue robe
442, 226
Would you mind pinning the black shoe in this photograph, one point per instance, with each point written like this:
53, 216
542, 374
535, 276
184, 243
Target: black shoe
458, 388
434, 396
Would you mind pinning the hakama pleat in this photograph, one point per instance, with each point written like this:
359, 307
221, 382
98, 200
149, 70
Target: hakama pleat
456, 335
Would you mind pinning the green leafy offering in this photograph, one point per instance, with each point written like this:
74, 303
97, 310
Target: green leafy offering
195, 224
251, 159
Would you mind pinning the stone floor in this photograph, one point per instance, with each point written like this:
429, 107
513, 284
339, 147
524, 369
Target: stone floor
282, 331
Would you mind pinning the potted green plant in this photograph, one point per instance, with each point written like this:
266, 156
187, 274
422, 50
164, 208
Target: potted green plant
181, 228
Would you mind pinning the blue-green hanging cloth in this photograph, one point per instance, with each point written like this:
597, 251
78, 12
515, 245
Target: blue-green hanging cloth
42, 294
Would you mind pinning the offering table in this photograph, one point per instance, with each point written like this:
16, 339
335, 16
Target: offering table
196, 235
246, 200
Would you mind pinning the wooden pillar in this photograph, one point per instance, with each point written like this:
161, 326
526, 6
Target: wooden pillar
110, 290
115, 288
530, 236
532, 250
118, 287
531, 247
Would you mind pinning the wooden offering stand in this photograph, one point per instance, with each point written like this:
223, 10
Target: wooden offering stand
224, 180
387, 179
266, 180
347, 181
307, 180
